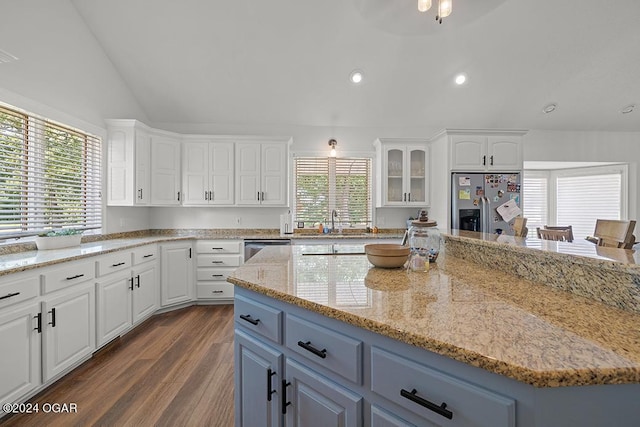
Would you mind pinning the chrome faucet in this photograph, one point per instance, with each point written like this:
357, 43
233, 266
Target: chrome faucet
334, 215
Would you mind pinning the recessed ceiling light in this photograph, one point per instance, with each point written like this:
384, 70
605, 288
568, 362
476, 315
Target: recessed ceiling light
628, 109
549, 108
461, 79
356, 76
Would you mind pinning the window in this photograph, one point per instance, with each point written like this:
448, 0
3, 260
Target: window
582, 196
324, 184
49, 176
534, 197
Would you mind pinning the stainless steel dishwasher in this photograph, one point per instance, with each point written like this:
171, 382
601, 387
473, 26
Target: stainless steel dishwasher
253, 246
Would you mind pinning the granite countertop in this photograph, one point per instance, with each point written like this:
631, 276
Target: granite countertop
478, 315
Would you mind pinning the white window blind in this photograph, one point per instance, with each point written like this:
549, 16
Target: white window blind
49, 176
324, 184
583, 199
534, 204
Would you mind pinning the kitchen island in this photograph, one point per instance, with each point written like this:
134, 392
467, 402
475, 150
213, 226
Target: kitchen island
494, 347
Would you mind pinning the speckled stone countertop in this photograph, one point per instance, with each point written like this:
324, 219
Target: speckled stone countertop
476, 314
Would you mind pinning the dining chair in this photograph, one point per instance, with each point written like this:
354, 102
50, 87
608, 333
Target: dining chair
555, 232
614, 233
520, 227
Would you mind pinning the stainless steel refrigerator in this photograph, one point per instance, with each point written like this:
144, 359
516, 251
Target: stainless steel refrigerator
478, 199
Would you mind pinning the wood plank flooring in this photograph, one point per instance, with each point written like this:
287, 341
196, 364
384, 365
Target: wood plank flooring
174, 370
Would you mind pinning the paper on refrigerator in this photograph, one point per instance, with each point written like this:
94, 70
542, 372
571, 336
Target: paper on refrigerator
509, 210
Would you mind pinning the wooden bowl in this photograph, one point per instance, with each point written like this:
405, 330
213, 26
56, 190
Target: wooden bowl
387, 255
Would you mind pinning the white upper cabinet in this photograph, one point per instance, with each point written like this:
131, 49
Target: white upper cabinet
403, 172
207, 173
486, 152
165, 171
261, 173
128, 171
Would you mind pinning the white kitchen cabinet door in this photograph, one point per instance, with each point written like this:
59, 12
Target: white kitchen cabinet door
143, 168
404, 174
20, 348
146, 295
221, 173
113, 306
177, 284
468, 153
165, 171
505, 153
195, 173
248, 173
273, 174
68, 327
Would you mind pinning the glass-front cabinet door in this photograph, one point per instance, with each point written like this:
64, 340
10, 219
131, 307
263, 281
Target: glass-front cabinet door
405, 175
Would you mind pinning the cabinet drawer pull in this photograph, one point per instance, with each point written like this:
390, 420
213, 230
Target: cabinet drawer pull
217, 275
270, 373
440, 410
53, 317
147, 256
217, 249
9, 295
117, 264
217, 292
307, 346
75, 277
248, 318
283, 400
217, 262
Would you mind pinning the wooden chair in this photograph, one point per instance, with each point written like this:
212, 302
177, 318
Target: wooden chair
559, 234
520, 227
614, 233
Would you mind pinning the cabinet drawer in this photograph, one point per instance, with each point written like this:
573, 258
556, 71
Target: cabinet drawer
423, 391
144, 254
68, 275
258, 317
214, 290
218, 247
213, 260
336, 352
114, 262
217, 274
16, 288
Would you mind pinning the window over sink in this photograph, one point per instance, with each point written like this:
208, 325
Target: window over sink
324, 185
50, 176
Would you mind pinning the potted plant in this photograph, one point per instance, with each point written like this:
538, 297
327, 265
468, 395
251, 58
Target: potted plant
59, 239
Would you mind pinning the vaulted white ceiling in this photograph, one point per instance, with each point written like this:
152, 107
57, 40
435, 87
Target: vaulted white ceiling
288, 61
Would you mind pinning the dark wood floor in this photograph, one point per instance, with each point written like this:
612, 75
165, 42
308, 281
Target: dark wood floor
174, 370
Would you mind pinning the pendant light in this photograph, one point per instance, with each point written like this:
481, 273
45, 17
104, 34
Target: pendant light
424, 5
444, 9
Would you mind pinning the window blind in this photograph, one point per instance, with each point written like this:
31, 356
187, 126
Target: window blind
50, 176
534, 204
583, 199
324, 184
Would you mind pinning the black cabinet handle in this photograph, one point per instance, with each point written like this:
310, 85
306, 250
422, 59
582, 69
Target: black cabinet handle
248, 318
147, 256
217, 292
39, 324
307, 346
118, 264
217, 262
284, 402
206, 195
130, 280
258, 196
440, 410
217, 275
408, 197
270, 373
138, 280
210, 195
189, 253
9, 295
491, 160
75, 277
53, 317
484, 160
217, 249
178, 196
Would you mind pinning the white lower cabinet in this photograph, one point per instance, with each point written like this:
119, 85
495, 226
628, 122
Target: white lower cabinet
176, 261
20, 348
113, 302
216, 259
68, 328
146, 292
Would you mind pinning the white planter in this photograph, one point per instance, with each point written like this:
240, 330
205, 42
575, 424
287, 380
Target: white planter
58, 242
